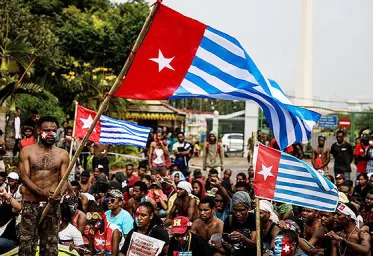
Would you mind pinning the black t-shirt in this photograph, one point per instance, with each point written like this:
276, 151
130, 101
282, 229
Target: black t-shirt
343, 155
245, 228
157, 232
198, 247
6, 216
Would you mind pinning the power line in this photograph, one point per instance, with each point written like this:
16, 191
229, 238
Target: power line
329, 101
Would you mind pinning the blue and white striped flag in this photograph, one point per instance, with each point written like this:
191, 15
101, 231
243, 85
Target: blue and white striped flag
109, 130
183, 58
284, 178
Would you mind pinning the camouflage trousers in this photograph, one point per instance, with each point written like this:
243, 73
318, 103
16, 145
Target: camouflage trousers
47, 232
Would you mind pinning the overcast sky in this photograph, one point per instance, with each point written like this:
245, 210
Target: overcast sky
269, 30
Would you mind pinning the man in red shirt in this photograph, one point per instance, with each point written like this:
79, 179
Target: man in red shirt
28, 139
360, 154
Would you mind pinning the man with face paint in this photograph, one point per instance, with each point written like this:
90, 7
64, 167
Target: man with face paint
106, 238
286, 243
185, 204
321, 155
185, 243
310, 222
207, 224
42, 166
351, 241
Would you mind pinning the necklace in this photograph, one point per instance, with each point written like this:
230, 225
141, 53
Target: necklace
339, 243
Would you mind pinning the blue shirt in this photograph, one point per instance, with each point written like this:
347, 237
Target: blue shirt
123, 220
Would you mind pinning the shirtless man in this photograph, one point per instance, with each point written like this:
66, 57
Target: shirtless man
139, 195
185, 204
207, 224
100, 152
319, 240
42, 166
310, 222
321, 155
85, 182
351, 241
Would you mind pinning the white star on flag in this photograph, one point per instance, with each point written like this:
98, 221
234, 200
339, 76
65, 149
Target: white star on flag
162, 61
87, 122
286, 248
266, 171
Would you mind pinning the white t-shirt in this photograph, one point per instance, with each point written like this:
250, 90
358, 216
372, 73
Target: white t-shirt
89, 196
70, 235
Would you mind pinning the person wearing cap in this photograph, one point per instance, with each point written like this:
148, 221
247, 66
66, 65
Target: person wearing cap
320, 154
351, 241
156, 193
185, 204
240, 226
9, 208
339, 179
85, 182
14, 187
343, 155
213, 154
116, 214
2, 152
149, 224
184, 242
28, 139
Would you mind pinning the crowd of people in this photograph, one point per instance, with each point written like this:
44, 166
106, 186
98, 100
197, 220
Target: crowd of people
193, 211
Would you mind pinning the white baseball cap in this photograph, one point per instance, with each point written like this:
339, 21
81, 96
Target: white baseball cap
13, 176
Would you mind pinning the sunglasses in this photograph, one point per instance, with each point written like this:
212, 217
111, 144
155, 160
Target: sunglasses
111, 200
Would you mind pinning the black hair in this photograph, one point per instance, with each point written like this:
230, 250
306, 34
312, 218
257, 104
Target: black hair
155, 220
348, 183
208, 200
331, 178
44, 119
66, 214
34, 112
340, 131
213, 171
69, 128
173, 165
370, 191
1, 132
147, 177
180, 132
3, 174
363, 175
129, 165
142, 185
18, 108
74, 183
243, 184
241, 174
290, 234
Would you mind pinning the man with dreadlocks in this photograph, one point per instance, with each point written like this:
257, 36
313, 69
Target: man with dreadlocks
240, 227
149, 224
105, 238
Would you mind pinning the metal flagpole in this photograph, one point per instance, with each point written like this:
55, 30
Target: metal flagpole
105, 103
257, 209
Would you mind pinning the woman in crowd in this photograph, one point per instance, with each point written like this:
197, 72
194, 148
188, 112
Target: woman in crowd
363, 187
199, 189
177, 177
147, 223
69, 234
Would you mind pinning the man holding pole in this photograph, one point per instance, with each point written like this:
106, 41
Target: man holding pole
42, 166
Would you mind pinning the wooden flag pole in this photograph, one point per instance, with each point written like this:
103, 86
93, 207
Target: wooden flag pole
257, 209
105, 103
73, 134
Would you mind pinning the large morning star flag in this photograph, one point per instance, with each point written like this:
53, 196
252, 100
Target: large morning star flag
284, 178
183, 58
109, 130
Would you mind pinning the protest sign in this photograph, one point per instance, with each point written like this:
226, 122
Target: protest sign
142, 245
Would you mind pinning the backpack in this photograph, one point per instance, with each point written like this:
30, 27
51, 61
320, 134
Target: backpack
207, 146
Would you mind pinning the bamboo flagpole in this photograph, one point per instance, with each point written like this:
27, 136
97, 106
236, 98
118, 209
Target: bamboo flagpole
106, 101
73, 134
257, 208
